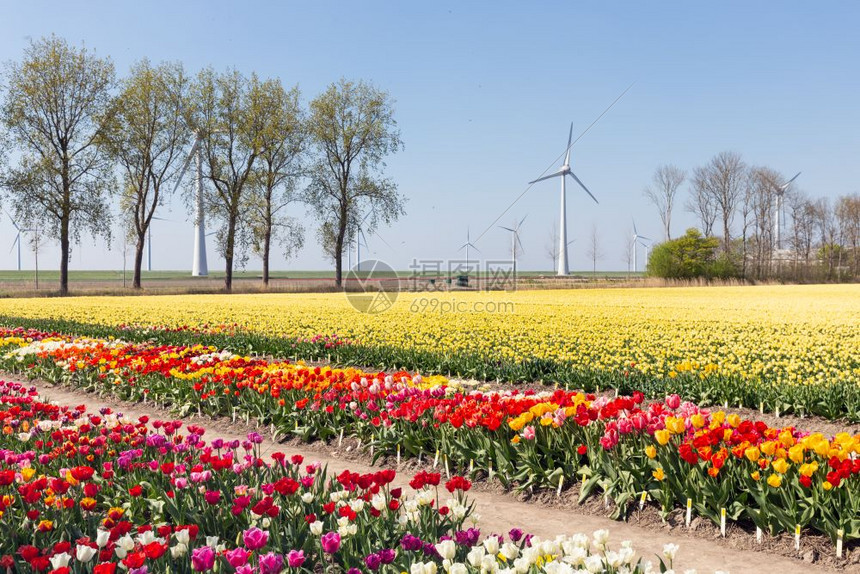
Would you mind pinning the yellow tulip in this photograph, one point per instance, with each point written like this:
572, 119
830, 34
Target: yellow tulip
774, 480
795, 453
662, 437
752, 454
658, 474
780, 465
650, 451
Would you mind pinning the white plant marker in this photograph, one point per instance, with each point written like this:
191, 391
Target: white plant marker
797, 537
560, 483
839, 534
725, 404
689, 511
420, 453
436, 459
340, 439
723, 522
471, 466
371, 451
490, 471
758, 534
398, 455
447, 469
642, 500
761, 407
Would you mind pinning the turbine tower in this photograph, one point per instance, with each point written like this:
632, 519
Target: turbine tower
17, 241
466, 246
515, 239
198, 265
637, 239
780, 193
562, 236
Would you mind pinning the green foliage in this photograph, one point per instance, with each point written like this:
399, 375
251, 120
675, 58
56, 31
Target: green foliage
691, 256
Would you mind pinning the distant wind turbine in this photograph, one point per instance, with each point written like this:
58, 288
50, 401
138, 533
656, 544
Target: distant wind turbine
17, 241
565, 170
466, 246
198, 265
637, 239
515, 239
780, 193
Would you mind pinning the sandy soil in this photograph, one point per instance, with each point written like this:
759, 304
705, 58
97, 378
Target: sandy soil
547, 515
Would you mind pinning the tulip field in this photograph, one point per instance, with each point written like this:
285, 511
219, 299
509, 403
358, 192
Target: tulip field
787, 349
97, 492
100, 493
676, 453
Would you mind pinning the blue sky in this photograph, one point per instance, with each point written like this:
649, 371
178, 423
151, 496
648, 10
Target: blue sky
484, 96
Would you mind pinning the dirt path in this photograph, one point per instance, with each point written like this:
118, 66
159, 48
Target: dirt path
703, 550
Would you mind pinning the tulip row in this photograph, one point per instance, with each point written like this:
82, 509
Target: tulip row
673, 451
99, 493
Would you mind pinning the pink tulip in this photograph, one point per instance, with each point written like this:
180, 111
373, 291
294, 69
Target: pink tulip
295, 558
254, 538
237, 557
330, 542
202, 559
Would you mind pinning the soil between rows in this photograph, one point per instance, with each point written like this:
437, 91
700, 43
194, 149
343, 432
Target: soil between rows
541, 513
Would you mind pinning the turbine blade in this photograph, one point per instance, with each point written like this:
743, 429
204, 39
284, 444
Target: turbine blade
634, 227
582, 185
556, 174
507, 229
17, 238
186, 164
787, 183
521, 220
646, 238
567, 151
520, 243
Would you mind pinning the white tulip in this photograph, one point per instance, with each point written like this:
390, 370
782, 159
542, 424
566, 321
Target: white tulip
316, 528
102, 538
178, 551
307, 497
491, 543
60, 560
446, 549
594, 564
669, 551
84, 553
457, 568
475, 555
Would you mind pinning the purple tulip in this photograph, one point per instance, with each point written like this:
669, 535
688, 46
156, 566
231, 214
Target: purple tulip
388, 555
373, 561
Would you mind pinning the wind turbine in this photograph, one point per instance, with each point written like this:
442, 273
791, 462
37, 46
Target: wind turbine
515, 239
17, 241
637, 239
780, 193
466, 246
562, 172
198, 265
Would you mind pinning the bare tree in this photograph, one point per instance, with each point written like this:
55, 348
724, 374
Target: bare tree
723, 180
701, 204
552, 246
662, 191
594, 248
147, 137
848, 218
55, 110
628, 254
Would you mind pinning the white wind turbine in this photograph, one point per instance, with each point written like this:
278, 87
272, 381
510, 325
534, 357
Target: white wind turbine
515, 239
198, 265
638, 239
780, 193
17, 241
562, 172
466, 246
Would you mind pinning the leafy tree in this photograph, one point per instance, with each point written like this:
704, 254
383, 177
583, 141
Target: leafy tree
353, 129
689, 257
231, 116
147, 138
56, 107
272, 184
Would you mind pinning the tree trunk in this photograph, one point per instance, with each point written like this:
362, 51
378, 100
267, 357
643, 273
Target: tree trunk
138, 259
267, 243
64, 255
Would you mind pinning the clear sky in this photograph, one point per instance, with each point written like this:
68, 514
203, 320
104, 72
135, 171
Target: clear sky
484, 96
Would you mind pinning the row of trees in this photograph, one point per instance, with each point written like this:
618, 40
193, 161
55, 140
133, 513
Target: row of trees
739, 205
80, 142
